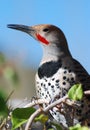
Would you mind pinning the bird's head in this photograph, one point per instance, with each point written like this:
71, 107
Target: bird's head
49, 35
44, 33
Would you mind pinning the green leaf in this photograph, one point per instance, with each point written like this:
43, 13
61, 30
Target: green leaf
76, 92
78, 127
51, 129
3, 106
84, 128
42, 118
58, 127
20, 116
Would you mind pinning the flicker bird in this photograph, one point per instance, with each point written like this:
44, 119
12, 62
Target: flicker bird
58, 70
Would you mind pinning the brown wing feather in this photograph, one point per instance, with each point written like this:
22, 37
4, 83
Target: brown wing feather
82, 75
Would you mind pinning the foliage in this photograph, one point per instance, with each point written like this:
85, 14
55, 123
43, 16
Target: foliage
20, 116
3, 106
76, 92
42, 118
57, 126
78, 127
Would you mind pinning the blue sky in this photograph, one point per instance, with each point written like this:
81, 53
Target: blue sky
72, 16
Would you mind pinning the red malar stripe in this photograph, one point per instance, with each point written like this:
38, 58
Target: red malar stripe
42, 39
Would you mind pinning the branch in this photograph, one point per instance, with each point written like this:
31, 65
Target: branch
46, 109
32, 117
87, 92
37, 112
37, 102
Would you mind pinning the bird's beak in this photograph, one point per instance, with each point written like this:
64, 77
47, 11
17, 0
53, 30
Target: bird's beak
23, 28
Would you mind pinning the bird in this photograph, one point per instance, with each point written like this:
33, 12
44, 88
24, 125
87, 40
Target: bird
58, 70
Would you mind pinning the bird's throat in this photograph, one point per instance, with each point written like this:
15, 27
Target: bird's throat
50, 53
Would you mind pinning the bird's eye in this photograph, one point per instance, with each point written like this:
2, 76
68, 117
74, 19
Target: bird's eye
46, 30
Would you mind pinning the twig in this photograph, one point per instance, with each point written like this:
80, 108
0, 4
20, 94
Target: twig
87, 92
30, 120
55, 103
36, 102
9, 95
2, 124
32, 117
46, 109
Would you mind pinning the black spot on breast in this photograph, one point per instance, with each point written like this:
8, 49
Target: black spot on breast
64, 77
41, 84
52, 86
57, 81
65, 72
65, 67
64, 83
48, 69
49, 84
69, 71
72, 79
